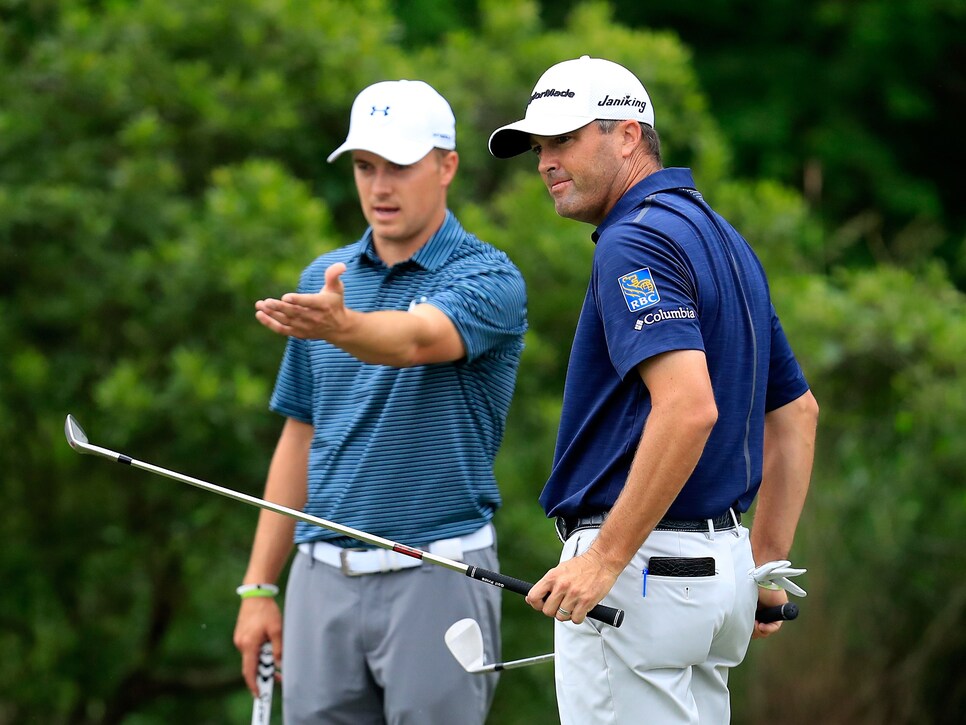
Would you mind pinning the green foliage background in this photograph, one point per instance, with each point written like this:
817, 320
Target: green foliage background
162, 165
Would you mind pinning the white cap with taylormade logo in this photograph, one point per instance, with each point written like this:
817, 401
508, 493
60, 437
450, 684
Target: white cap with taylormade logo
401, 121
570, 95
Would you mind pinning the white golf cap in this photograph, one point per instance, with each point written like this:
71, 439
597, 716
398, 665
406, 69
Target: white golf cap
570, 95
401, 121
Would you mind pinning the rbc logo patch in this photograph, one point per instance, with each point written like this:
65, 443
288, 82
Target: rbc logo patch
639, 290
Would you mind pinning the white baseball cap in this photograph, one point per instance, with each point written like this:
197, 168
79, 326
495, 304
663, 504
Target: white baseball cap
401, 121
570, 95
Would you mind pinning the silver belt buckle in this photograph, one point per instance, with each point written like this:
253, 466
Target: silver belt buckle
344, 562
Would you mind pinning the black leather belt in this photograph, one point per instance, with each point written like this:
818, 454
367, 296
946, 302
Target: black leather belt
723, 522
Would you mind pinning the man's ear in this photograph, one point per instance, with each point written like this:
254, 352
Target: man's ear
448, 164
631, 136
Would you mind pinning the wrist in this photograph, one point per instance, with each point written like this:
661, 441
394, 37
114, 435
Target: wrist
614, 565
257, 591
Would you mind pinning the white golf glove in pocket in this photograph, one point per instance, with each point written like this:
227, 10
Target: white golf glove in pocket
777, 575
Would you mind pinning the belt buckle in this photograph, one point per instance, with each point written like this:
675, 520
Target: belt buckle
560, 524
344, 562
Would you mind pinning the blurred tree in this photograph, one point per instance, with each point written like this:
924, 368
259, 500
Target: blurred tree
858, 104
162, 165
423, 22
886, 614
140, 218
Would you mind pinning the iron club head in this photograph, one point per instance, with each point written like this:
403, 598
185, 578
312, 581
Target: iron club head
78, 441
465, 641
75, 435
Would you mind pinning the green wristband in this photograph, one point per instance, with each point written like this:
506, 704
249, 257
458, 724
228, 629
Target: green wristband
251, 591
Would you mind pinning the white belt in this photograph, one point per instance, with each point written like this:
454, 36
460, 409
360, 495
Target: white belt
357, 562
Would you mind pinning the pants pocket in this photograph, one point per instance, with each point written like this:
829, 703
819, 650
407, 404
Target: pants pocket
678, 617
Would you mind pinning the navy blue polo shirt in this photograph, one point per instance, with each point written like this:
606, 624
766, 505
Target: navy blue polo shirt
669, 274
407, 453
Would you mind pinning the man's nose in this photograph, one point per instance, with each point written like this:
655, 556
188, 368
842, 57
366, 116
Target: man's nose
547, 163
381, 181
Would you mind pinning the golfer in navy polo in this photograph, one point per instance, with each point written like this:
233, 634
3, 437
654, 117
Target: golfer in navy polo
683, 402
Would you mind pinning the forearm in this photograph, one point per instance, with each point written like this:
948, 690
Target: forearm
259, 618
786, 473
397, 338
271, 547
662, 465
682, 416
419, 336
286, 485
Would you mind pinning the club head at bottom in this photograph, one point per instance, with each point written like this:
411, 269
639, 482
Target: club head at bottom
465, 642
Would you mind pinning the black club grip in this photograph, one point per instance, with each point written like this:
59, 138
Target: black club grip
602, 613
784, 613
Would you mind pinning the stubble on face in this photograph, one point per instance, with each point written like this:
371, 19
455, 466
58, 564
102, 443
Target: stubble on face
579, 170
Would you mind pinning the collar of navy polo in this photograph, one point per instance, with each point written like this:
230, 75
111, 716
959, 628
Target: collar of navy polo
663, 180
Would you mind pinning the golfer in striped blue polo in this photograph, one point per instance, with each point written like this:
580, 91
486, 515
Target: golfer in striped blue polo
400, 365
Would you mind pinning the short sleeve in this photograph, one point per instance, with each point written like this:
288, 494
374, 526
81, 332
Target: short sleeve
646, 297
292, 396
487, 304
786, 381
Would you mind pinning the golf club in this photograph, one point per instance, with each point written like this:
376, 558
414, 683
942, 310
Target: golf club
465, 642
78, 441
262, 706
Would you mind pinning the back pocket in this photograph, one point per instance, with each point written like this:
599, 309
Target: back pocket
680, 566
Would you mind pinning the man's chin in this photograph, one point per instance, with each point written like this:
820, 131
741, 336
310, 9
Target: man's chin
386, 229
567, 209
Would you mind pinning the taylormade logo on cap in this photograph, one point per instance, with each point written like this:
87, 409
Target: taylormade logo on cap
570, 95
401, 121
552, 92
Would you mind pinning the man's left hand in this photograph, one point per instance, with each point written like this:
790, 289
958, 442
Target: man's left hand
778, 575
768, 598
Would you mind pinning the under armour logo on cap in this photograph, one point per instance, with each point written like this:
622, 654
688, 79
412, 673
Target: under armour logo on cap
383, 111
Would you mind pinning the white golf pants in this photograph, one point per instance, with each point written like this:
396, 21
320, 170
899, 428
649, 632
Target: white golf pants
669, 662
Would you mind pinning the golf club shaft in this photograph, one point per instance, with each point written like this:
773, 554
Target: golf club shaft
784, 612
78, 441
513, 664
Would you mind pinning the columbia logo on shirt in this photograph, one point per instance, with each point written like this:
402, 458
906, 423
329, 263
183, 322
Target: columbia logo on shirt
652, 318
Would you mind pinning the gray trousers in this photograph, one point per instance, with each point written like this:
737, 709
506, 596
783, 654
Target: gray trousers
369, 650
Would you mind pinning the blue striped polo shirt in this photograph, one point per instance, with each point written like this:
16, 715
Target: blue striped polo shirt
407, 453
